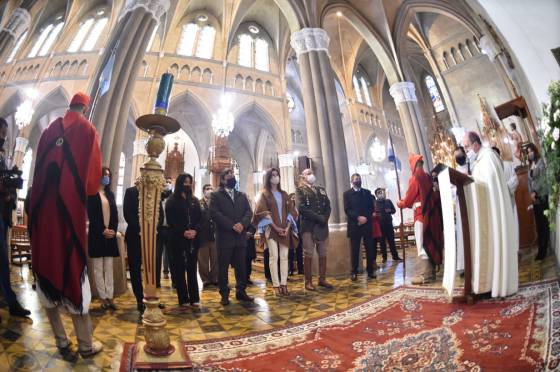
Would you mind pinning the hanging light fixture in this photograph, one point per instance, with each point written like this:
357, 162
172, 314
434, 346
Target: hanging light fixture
24, 114
222, 120
377, 150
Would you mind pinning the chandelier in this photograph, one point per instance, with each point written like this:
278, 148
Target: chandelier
24, 114
362, 169
222, 120
377, 150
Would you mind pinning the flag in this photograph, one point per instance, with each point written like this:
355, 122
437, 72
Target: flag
390, 152
105, 78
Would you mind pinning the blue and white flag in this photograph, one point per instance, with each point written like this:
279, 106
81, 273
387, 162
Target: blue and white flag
390, 152
105, 78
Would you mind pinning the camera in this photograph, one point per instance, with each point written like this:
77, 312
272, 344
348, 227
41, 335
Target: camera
11, 179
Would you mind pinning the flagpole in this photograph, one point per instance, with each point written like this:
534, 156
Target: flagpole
400, 198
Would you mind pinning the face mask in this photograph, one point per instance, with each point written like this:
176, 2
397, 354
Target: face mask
311, 179
230, 183
275, 180
187, 188
461, 159
2, 140
471, 154
105, 181
357, 184
207, 194
380, 196
168, 187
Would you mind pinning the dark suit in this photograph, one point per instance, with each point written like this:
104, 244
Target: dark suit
231, 246
360, 203
133, 243
387, 230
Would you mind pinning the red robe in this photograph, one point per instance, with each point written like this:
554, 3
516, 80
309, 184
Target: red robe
427, 209
67, 170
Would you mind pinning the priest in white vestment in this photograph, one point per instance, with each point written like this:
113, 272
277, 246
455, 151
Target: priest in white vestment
512, 182
491, 220
462, 166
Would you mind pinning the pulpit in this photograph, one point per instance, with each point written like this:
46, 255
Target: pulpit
447, 178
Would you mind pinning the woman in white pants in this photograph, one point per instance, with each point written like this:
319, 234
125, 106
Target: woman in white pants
274, 216
102, 240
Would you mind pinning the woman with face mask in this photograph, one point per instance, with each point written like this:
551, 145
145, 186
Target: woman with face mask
183, 214
102, 238
275, 217
538, 188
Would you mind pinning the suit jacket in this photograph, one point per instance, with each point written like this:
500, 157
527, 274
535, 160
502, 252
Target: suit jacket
207, 225
130, 211
385, 218
182, 215
314, 207
358, 203
98, 245
226, 213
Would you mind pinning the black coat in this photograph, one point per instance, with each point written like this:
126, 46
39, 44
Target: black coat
98, 245
226, 213
358, 203
385, 218
207, 225
182, 215
130, 211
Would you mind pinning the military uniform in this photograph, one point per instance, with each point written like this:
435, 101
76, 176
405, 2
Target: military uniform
314, 208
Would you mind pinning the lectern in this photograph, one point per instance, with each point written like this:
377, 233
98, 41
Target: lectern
446, 178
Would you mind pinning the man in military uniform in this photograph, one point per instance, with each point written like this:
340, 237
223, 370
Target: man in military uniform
315, 209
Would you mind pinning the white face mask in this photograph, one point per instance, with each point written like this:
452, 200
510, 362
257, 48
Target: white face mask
471, 155
207, 194
275, 180
311, 179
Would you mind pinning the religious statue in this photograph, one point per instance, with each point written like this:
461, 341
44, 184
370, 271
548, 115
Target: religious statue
175, 162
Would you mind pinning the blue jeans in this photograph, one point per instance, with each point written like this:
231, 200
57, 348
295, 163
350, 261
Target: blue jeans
5, 285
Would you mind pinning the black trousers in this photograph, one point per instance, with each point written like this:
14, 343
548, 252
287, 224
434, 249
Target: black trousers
266, 263
184, 257
388, 235
5, 284
371, 252
543, 229
134, 253
161, 245
235, 256
295, 256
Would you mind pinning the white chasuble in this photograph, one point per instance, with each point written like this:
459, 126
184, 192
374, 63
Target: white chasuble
494, 242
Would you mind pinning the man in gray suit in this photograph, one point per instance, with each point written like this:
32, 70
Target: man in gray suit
232, 214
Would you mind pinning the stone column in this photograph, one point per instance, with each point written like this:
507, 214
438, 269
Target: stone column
16, 26
286, 164
322, 115
19, 151
127, 45
404, 94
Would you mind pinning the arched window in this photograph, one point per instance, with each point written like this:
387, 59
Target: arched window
81, 35
357, 89
365, 89
16, 47
94, 35
26, 172
46, 39
120, 181
151, 42
434, 94
197, 40
253, 50
291, 102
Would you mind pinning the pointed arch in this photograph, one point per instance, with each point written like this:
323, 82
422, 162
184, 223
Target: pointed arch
267, 120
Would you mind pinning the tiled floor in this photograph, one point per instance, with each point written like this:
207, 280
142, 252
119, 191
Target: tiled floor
27, 344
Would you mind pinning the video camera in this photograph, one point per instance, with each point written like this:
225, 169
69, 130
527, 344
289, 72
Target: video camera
11, 179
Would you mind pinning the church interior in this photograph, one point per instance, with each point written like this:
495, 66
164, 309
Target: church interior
341, 87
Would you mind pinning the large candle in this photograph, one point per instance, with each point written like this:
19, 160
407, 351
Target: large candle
164, 91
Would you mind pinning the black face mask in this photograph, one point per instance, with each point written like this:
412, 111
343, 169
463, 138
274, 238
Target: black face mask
461, 159
2, 140
357, 184
230, 183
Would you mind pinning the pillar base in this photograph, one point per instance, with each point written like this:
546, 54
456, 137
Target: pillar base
134, 358
338, 253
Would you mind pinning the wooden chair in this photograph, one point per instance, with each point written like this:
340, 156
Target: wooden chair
20, 246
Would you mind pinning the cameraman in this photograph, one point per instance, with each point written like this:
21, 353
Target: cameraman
5, 199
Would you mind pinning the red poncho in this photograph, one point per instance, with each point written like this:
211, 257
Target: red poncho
67, 170
427, 209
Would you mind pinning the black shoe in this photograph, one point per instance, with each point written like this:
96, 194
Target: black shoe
161, 305
250, 282
398, 259
224, 301
384, 260
141, 307
17, 310
372, 276
243, 296
354, 277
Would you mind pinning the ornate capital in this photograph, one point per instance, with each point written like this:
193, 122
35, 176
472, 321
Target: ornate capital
285, 160
139, 148
310, 39
488, 47
21, 144
403, 92
155, 7
18, 23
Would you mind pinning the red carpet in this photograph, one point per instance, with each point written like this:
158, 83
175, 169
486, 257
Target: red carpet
408, 329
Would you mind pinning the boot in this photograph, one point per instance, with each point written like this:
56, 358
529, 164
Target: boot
307, 261
323, 272
86, 346
62, 342
425, 273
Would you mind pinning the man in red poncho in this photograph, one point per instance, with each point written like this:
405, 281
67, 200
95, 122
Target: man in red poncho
67, 170
428, 229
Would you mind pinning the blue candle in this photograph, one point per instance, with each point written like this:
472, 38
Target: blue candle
164, 92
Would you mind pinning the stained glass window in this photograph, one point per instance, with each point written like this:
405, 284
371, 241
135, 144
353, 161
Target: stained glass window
80, 36
357, 89
365, 89
94, 35
245, 57
16, 47
187, 40
205, 47
49, 42
434, 94
261, 55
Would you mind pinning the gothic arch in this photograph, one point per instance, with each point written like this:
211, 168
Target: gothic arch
268, 122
